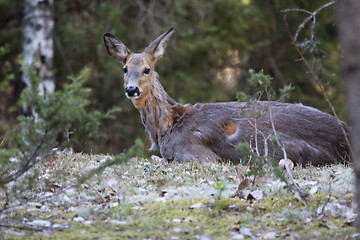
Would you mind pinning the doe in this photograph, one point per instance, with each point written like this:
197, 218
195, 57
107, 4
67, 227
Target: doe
211, 131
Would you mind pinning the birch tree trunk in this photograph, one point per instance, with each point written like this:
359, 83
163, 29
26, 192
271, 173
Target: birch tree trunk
38, 43
348, 14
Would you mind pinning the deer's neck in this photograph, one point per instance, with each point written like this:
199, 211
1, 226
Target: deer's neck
158, 111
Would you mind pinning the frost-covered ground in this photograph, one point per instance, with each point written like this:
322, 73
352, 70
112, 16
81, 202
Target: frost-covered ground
150, 199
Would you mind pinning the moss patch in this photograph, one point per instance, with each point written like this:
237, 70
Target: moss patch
147, 199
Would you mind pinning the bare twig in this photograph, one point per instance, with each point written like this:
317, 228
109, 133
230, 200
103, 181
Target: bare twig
63, 56
30, 162
21, 226
312, 16
40, 199
323, 91
2, 142
301, 194
331, 177
25, 226
97, 192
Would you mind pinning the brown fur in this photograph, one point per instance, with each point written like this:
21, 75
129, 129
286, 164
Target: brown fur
230, 127
210, 131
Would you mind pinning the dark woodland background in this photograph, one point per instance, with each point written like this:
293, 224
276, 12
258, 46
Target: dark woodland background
207, 60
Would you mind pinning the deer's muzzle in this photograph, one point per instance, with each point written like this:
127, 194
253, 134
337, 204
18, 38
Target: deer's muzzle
132, 92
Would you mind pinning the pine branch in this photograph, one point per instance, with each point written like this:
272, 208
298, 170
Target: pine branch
29, 163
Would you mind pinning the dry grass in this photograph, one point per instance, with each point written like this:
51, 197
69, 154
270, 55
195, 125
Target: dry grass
149, 199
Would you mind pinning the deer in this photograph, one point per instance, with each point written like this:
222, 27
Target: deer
211, 131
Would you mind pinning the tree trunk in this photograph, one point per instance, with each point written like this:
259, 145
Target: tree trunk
38, 43
349, 28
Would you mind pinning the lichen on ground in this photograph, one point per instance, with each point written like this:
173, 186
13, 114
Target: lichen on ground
150, 199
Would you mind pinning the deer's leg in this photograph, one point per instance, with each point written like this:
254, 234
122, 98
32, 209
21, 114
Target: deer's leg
194, 152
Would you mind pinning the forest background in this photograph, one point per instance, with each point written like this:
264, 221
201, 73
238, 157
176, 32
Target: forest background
207, 60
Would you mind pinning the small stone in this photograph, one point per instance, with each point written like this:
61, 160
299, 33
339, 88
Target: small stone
176, 230
235, 235
245, 231
270, 235
137, 207
118, 222
79, 219
40, 223
313, 190
196, 205
256, 194
60, 225
12, 232
177, 220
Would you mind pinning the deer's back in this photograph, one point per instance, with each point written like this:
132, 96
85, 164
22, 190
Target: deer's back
212, 130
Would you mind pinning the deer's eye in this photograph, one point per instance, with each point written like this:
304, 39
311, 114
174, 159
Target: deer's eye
125, 70
147, 70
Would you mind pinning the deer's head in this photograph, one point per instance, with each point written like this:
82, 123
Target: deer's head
138, 67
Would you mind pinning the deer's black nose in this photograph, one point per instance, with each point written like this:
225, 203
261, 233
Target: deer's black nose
132, 91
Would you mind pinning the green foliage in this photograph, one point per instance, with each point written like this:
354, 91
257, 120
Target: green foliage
136, 150
8, 76
59, 120
259, 164
262, 90
210, 37
220, 186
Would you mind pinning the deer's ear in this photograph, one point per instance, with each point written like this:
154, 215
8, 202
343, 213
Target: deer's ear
157, 47
116, 48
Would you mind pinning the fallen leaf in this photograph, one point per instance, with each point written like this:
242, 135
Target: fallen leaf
239, 194
162, 193
244, 184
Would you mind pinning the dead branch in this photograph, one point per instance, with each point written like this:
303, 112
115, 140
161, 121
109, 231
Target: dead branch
96, 191
288, 171
34, 158
317, 81
306, 20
